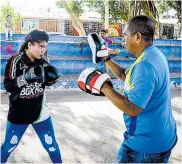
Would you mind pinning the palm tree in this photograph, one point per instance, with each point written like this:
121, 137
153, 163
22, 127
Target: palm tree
146, 7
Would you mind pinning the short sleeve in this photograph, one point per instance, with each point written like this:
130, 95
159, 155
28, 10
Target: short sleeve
144, 80
108, 41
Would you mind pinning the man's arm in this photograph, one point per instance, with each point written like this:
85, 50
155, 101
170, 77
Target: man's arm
116, 69
80, 42
115, 42
120, 43
114, 51
121, 101
144, 81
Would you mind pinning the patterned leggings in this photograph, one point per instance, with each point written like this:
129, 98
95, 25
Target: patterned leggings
45, 132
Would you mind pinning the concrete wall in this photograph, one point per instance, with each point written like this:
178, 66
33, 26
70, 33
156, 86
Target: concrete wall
71, 59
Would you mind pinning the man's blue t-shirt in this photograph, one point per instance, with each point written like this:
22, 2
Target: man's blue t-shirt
147, 85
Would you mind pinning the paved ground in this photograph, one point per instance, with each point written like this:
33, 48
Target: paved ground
88, 129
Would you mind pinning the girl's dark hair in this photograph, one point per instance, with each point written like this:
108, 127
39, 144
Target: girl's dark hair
34, 36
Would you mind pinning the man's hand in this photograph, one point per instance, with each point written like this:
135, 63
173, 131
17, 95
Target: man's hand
77, 43
114, 51
80, 42
91, 81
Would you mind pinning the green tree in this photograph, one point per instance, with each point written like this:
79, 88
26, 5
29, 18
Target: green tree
165, 6
117, 10
5, 10
123, 10
74, 9
147, 8
120, 11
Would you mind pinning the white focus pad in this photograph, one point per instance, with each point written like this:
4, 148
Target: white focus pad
97, 44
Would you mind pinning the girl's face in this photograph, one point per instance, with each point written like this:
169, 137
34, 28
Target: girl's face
37, 50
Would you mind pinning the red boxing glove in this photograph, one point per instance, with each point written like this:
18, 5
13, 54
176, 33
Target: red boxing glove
91, 81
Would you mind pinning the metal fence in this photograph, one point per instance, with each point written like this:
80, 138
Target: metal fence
166, 31
55, 25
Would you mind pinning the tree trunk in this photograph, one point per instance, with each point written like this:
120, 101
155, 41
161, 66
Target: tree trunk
178, 6
77, 23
